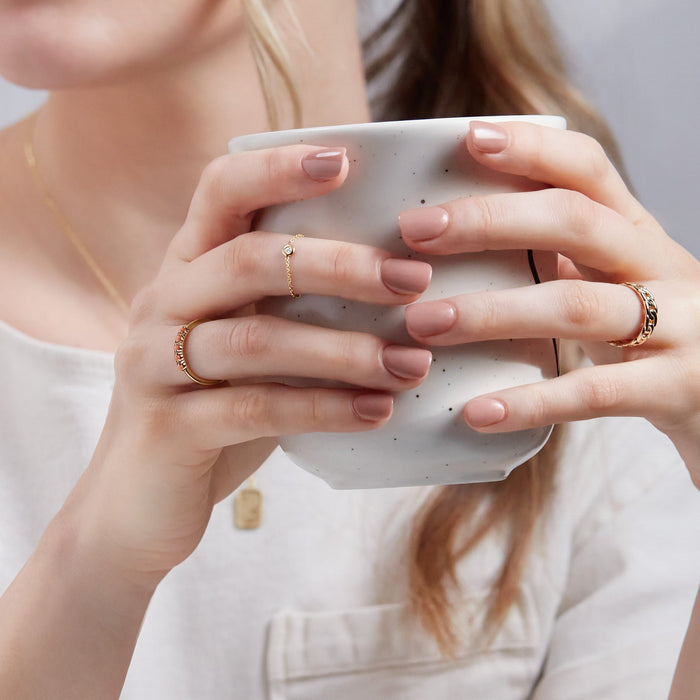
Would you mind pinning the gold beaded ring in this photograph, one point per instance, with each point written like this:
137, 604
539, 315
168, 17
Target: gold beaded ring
180, 360
288, 250
651, 317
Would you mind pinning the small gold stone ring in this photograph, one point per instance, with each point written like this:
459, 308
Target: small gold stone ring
651, 316
288, 250
180, 359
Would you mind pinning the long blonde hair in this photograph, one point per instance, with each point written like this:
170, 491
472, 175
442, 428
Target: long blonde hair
272, 60
471, 58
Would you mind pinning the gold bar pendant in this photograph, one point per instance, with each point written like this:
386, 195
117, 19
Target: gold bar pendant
247, 509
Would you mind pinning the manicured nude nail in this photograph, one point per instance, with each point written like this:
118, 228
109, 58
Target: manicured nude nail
373, 406
423, 223
488, 137
406, 276
430, 318
324, 165
480, 413
405, 362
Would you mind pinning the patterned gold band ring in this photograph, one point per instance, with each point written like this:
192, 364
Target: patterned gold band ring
181, 360
651, 317
288, 250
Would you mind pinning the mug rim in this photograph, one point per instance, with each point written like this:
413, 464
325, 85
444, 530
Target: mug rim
247, 142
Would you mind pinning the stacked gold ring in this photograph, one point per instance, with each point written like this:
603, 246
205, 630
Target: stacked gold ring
180, 358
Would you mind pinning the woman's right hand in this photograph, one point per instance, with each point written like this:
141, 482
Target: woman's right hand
171, 449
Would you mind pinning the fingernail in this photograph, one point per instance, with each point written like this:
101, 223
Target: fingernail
423, 223
324, 165
430, 318
406, 276
373, 406
482, 412
407, 363
488, 137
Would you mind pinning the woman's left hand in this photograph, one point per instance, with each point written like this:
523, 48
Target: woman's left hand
604, 237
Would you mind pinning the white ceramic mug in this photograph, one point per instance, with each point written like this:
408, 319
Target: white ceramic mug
396, 166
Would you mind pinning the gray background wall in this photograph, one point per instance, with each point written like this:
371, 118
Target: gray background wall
638, 61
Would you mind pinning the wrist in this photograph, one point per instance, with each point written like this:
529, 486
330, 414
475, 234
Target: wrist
88, 570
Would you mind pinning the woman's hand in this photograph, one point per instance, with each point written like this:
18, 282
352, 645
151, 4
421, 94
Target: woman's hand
604, 237
170, 448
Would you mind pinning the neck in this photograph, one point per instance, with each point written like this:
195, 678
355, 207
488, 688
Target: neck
123, 159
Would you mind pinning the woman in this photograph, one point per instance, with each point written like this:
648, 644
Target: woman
312, 603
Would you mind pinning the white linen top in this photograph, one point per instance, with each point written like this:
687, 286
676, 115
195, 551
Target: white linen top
313, 603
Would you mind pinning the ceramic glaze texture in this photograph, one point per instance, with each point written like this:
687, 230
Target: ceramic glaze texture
395, 166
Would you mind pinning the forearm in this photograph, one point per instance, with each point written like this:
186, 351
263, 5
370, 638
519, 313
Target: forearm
686, 682
68, 625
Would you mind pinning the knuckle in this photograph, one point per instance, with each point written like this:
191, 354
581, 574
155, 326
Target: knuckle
680, 411
486, 216
128, 358
163, 420
578, 212
143, 305
603, 394
253, 410
586, 219
484, 315
539, 407
345, 352
578, 305
248, 339
317, 410
595, 159
342, 263
215, 173
239, 259
533, 142
272, 165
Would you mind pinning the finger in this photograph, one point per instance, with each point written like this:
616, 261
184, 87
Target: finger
561, 309
233, 187
563, 221
253, 266
234, 466
230, 415
567, 270
263, 346
560, 158
622, 389
251, 347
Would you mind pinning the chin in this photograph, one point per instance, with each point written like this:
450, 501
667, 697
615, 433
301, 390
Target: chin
45, 44
42, 49
38, 76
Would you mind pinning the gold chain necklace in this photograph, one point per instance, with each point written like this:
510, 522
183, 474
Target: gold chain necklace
247, 503
65, 226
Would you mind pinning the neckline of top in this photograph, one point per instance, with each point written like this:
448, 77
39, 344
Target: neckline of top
64, 353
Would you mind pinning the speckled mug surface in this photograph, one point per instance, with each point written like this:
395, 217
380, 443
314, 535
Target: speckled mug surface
396, 166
